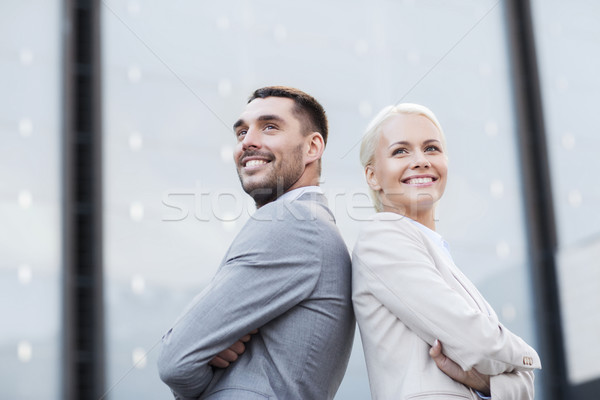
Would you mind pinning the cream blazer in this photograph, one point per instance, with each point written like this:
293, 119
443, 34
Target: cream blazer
407, 292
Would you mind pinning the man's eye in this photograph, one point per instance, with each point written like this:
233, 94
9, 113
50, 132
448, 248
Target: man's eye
241, 133
270, 127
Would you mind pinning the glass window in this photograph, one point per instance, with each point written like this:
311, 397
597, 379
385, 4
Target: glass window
175, 79
568, 39
30, 200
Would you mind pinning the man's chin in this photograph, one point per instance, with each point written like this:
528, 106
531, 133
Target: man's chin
261, 192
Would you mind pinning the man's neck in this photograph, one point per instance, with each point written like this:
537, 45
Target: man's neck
294, 193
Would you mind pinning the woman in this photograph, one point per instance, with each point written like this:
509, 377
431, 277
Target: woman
407, 292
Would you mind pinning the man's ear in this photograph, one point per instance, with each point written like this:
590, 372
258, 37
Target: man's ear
316, 146
371, 178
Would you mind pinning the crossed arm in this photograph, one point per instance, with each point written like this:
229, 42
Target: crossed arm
471, 378
260, 280
516, 385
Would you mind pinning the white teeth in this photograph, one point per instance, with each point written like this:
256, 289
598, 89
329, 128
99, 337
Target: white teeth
253, 163
418, 181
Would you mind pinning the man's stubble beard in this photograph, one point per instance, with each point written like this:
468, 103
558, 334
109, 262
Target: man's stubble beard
277, 181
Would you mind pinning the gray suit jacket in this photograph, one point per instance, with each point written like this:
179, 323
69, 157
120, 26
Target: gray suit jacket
287, 273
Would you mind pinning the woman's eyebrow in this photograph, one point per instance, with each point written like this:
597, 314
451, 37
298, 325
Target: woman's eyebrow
405, 143
402, 142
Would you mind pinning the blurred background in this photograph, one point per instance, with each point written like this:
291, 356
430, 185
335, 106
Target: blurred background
116, 148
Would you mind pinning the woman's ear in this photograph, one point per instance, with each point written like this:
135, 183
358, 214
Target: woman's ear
371, 178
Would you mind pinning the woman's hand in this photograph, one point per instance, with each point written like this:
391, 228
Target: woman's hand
472, 378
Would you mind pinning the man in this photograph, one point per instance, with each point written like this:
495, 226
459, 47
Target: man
287, 273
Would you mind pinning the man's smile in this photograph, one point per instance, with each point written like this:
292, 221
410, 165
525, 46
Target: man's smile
254, 162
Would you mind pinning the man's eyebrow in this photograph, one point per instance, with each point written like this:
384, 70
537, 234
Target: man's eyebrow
269, 117
238, 123
262, 118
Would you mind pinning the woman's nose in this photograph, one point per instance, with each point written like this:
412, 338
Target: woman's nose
420, 161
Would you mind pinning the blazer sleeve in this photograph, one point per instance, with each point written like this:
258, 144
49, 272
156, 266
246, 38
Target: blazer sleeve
402, 276
273, 266
516, 385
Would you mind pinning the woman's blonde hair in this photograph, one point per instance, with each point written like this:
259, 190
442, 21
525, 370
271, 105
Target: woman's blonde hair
371, 136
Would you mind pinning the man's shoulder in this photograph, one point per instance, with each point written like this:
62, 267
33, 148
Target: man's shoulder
299, 222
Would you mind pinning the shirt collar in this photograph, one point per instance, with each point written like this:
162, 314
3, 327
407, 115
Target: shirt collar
294, 194
434, 236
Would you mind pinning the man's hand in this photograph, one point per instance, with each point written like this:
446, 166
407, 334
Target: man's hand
229, 355
472, 378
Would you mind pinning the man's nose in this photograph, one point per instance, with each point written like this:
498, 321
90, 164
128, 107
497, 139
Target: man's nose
252, 139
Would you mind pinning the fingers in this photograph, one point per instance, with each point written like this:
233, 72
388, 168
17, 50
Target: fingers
218, 362
224, 358
441, 360
227, 356
231, 354
448, 366
480, 382
436, 349
245, 338
238, 347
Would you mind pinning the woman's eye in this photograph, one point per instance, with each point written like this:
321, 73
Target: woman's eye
432, 148
399, 151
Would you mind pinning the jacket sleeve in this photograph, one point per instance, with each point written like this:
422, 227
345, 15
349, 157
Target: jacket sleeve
516, 385
402, 275
272, 266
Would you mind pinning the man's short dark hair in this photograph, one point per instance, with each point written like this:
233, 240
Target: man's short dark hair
307, 108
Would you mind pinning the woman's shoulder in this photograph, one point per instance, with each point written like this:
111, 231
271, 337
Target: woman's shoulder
389, 221
388, 237
386, 225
